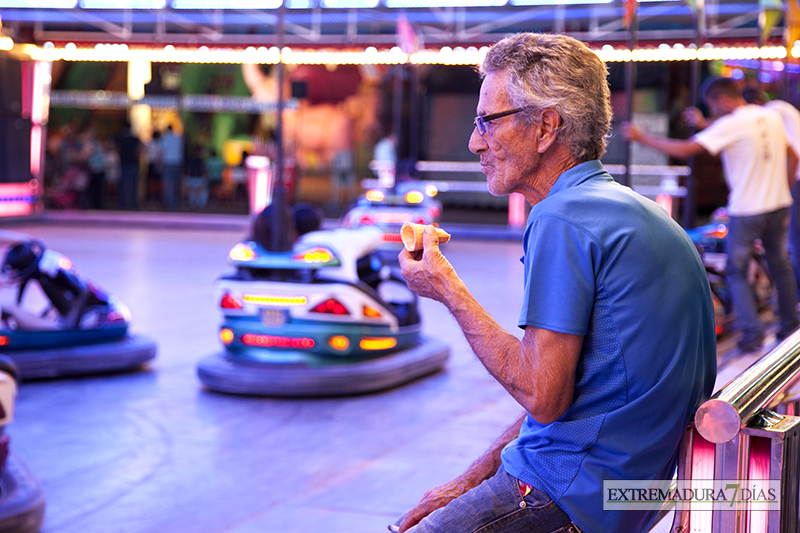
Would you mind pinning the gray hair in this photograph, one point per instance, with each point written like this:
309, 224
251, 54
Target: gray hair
557, 72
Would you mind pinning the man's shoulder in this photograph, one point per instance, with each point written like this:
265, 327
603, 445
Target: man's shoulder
781, 105
594, 203
755, 112
737, 125
784, 109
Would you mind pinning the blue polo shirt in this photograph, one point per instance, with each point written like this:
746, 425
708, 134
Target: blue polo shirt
604, 262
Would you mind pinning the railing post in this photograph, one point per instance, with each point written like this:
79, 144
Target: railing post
779, 437
767, 449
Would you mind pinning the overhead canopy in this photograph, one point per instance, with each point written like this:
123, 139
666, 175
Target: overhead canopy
348, 23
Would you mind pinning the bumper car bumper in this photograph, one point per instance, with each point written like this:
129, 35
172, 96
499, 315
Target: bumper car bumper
222, 373
127, 353
22, 499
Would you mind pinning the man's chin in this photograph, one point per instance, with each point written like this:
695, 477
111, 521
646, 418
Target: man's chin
494, 188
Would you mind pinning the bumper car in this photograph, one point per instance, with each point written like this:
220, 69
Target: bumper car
389, 209
710, 243
54, 322
22, 499
326, 318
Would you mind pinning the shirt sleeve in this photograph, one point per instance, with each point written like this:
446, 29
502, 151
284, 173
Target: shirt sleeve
719, 135
561, 265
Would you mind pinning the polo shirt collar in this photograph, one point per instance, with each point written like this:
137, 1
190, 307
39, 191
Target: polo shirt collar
579, 174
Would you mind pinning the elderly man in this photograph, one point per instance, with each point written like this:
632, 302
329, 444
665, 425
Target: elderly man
618, 347
758, 160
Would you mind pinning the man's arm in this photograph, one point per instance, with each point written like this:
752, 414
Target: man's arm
694, 117
679, 148
480, 470
538, 372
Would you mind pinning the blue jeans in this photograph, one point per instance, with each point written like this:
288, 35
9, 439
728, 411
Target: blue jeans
170, 178
129, 176
497, 506
771, 228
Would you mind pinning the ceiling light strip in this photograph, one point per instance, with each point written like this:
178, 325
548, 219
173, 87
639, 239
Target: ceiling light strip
373, 56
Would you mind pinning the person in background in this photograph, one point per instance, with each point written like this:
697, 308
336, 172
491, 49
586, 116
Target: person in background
596, 352
239, 175
214, 168
302, 219
96, 163
384, 160
155, 162
757, 159
307, 218
171, 173
129, 147
196, 182
791, 121
113, 169
261, 229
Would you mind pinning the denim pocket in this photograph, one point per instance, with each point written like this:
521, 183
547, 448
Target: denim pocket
544, 518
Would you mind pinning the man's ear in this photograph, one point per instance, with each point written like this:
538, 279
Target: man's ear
548, 127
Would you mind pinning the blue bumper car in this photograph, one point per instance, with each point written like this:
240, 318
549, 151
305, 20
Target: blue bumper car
326, 318
54, 322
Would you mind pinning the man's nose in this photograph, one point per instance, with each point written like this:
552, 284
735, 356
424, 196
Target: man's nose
477, 143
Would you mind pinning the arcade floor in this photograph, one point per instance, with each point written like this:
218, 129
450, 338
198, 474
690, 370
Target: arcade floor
153, 452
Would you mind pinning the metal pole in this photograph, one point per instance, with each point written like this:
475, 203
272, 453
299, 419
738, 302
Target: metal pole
397, 116
688, 219
279, 222
413, 125
630, 87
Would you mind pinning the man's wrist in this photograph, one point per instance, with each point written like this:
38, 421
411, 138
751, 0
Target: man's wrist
454, 293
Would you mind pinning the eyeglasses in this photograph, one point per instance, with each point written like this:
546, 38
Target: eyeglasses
481, 120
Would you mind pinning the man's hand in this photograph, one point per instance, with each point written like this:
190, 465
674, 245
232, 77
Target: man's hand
479, 471
678, 148
435, 498
631, 131
427, 272
694, 117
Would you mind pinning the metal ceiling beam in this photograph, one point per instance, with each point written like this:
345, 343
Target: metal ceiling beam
327, 27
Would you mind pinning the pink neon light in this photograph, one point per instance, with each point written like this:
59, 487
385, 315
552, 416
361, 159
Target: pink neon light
10, 190
665, 201
516, 210
702, 468
16, 199
37, 93
17, 209
760, 449
260, 182
36, 149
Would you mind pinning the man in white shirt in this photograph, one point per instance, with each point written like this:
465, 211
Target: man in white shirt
757, 159
791, 121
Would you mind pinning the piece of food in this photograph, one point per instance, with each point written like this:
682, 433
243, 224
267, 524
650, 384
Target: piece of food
411, 235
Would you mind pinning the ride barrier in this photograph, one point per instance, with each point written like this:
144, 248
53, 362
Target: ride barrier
746, 439
669, 186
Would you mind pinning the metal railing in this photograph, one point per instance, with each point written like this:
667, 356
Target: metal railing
722, 417
737, 436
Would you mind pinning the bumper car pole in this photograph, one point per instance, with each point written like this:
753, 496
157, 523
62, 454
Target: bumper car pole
279, 221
